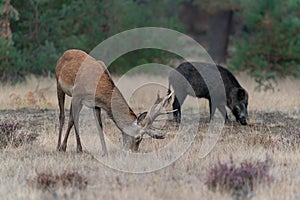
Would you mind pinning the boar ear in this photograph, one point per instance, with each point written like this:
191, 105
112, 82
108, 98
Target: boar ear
241, 94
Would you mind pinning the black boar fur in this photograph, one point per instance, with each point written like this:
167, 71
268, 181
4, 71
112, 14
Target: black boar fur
186, 80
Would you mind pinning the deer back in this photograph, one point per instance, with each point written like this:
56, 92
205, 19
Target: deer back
80, 75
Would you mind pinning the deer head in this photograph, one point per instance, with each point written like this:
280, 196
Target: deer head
142, 125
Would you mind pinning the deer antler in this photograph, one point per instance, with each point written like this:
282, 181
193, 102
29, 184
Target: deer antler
155, 110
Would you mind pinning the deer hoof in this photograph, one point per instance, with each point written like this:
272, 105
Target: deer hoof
62, 148
104, 154
79, 149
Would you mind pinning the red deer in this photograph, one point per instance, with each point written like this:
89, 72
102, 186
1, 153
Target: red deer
88, 82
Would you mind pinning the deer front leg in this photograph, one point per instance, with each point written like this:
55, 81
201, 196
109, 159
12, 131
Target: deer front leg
97, 113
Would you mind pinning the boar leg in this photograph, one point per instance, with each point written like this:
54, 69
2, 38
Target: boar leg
221, 108
223, 111
211, 110
177, 114
178, 101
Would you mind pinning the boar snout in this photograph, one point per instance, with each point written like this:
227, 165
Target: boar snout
243, 121
240, 114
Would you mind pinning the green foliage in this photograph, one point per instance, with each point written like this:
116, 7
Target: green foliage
11, 62
214, 6
271, 46
147, 13
7, 10
44, 29
140, 57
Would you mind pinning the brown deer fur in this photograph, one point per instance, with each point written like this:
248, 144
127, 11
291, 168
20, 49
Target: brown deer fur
75, 75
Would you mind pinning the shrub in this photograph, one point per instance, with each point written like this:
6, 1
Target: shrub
46, 180
12, 63
240, 180
270, 44
73, 179
10, 134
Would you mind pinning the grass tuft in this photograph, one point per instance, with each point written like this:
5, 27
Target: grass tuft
10, 134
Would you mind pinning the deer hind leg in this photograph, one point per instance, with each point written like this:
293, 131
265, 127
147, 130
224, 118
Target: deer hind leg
76, 108
63, 147
61, 102
97, 113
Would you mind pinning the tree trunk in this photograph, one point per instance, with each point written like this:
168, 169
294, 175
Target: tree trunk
219, 35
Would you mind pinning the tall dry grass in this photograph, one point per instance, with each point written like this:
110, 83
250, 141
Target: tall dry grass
41, 93
274, 116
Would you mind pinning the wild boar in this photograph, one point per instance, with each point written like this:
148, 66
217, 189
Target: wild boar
186, 80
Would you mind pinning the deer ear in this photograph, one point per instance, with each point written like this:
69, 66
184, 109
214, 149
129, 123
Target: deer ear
241, 94
141, 117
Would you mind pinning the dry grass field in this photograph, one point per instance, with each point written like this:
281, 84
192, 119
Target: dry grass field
273, 132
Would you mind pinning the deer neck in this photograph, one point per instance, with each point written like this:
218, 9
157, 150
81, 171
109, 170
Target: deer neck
118, 110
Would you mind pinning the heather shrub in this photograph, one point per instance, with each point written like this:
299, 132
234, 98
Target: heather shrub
10, 133
239, 180
73, 179
46, 180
